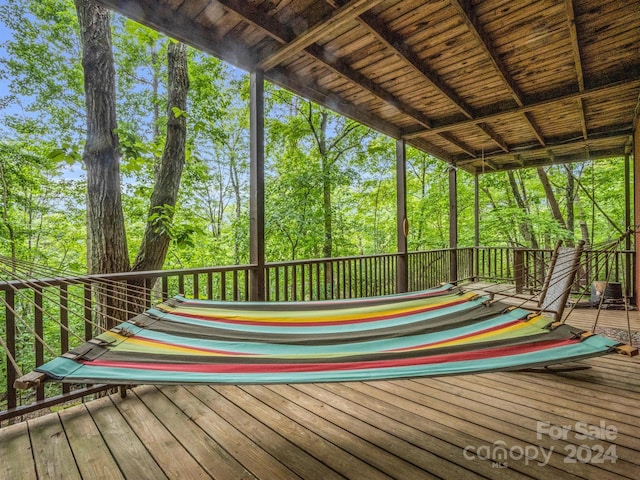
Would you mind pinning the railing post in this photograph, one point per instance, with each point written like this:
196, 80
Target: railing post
518, 269
10, 340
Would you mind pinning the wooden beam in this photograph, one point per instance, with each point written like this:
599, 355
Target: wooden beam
310, 90
282, 35
336, 20
173, 23
575, 44
465, 12
636, 202
494, 136
610, 89
256, 187
493, 165
461, 145
534, 128
344, 70
396, 44
545, 161
577, 60
468, 17
627, 220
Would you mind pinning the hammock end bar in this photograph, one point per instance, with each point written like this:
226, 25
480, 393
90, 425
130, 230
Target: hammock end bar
30, 380
628, 350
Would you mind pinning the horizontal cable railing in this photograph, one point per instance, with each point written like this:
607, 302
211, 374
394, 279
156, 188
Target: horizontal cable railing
61, 312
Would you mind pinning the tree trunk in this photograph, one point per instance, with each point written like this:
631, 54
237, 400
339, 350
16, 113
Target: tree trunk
326, 186
525, 226
107, 242
553, 202
571, 197
157, 235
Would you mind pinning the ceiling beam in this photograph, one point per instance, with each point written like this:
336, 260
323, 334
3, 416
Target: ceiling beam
458, 143
577, 60
181, 27
469, 18
610, 89
494, 136
336, 20
465, 12
557, 160
396, 44
282, 35
534, 128
540, 152
575, 44
279, 33
314, 92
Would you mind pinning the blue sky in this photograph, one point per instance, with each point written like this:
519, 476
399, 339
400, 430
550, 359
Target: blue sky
5, 36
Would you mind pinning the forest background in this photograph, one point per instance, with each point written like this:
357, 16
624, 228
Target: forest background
330, 182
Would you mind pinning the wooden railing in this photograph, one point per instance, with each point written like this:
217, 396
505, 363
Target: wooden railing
60, 312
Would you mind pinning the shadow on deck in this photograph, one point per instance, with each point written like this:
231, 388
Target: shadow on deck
495, 425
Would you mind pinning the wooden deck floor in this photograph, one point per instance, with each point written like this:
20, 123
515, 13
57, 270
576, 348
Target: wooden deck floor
447, 427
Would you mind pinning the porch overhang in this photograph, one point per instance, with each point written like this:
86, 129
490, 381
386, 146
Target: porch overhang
484, 85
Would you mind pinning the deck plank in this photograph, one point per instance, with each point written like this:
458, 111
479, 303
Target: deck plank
208, 453
308, 431
199, 403
51, 451
502, 402
92, 454
258, 420
174, 460
262, 404
487, 410
128, 451
15, 452
433, 454
446, 414
350, 434
437, 435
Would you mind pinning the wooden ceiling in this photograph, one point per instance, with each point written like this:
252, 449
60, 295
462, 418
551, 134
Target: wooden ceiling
485, 85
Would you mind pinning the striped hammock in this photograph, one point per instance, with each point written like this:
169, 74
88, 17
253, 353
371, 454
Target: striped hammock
441, 331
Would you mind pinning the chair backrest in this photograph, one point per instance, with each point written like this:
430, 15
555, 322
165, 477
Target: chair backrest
562, 272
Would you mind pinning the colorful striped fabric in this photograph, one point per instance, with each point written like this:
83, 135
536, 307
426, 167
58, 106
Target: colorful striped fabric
442, 331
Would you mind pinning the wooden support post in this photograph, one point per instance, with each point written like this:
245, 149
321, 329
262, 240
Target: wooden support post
627, 224
10, 340
476, 210
476, 218
402, 268
453, 224
256, 202
518, 269
636, 201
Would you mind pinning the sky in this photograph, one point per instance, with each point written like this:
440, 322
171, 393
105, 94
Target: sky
5, 36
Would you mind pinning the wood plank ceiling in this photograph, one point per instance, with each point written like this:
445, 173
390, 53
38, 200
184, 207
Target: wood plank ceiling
485, 85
